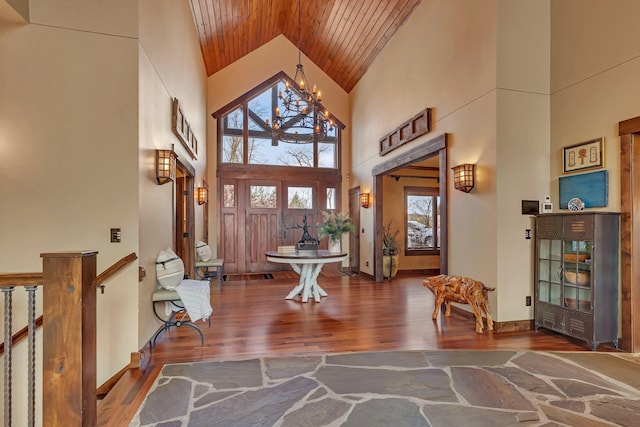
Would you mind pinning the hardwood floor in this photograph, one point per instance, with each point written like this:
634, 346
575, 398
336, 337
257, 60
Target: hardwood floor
252, 319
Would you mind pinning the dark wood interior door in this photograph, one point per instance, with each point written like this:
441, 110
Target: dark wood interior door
184, 214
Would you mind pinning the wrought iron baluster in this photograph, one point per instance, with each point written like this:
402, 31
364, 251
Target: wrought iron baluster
8, 350
31, 402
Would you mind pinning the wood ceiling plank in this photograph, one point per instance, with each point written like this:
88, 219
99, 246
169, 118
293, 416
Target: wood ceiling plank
347, 52
201, 25
342, 52
325, 60
236, 29
214, 33
201, 29
404, 10
225, 44
217, 29
261, 16
288, 20
342, 37
318, 22
369, 40
248, 22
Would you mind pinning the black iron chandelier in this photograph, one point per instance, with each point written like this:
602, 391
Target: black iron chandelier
302, 119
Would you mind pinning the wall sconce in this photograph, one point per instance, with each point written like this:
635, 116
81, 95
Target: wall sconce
463, 177
165, 166
202, 195
364, 200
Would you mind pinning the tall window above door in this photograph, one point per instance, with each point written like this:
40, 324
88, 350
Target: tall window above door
246, 136
422, 225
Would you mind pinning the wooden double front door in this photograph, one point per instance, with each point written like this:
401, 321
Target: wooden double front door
258, 215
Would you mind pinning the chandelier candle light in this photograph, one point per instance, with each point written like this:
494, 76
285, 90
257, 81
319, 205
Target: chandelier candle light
302, 119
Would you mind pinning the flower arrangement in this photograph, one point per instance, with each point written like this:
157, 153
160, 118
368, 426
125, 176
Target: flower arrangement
334, 224
389, 240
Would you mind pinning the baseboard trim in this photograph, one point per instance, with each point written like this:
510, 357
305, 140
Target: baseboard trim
104, 389
510, 326
367, 275
514, 326
425, 272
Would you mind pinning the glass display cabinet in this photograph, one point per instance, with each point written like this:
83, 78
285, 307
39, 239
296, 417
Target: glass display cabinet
576, 283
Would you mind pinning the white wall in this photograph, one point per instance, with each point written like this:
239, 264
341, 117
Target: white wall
484, 68
69, 155
84, 105
170, 65
443, 57
595, 64
522, 145
595, 54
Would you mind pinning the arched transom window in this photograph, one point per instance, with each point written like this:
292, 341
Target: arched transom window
246, 135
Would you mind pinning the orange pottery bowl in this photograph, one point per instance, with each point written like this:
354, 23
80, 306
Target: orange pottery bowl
576, 257
580, 278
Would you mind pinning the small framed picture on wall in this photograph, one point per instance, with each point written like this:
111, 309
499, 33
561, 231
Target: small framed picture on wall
583, 156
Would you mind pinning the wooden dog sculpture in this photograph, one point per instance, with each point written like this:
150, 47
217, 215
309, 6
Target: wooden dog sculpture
463, 290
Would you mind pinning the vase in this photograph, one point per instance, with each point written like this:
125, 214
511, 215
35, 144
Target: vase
335, 246
390, 264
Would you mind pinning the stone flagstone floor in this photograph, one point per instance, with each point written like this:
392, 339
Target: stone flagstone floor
400, 388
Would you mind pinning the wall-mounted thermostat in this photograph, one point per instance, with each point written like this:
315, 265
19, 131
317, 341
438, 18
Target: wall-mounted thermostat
547, 206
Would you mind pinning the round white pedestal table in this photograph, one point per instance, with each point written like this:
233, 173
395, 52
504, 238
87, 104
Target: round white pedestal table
308, 267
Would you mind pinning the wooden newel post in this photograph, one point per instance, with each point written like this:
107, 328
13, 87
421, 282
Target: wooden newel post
69, 339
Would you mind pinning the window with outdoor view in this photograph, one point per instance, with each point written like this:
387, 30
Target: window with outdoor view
422, 227
248, 138
263, 196
331, 198
300, 198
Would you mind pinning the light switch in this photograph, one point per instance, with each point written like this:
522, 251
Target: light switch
116, 235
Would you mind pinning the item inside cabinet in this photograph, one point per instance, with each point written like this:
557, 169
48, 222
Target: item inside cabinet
577, 277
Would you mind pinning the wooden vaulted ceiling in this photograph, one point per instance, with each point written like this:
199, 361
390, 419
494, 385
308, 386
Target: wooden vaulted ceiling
342, 37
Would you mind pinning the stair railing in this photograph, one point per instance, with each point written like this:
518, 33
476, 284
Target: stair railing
8, 283
69, 336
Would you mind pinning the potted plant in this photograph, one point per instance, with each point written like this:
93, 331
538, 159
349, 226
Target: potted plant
390, 257
334, 225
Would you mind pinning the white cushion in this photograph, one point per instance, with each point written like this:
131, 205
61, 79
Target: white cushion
169, 269
203, 250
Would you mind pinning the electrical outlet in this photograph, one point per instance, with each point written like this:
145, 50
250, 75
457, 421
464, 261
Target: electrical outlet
366, 263
527, 301
527, 234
